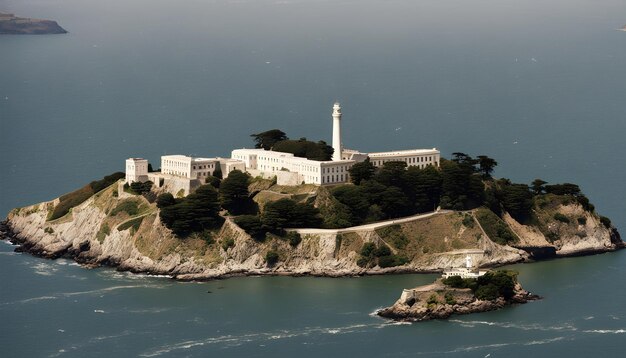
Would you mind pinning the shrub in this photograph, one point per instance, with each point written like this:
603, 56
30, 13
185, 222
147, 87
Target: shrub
392, 261
132, 223
294, 238
165, 199
487, 292
468, 221
363, 262
139, 188
367, 250
48, 230
271, 257
251, 225
228, 243
496, 229
382, 250
605, 221
582, 220
70, 200
450, 299
128, 206
562, 218
433, 299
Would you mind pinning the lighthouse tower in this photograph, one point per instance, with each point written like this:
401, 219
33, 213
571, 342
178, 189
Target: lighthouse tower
337, 131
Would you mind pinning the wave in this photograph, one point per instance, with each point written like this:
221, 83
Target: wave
236, 340
524, 327
606, 331
71, 294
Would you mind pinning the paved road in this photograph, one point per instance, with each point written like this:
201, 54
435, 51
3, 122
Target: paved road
373, 226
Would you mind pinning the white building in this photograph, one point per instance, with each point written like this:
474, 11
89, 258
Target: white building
292, 170
288, 169
469, 271
197, 168
136, 170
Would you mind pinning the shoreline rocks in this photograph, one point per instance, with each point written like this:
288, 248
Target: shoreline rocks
438, 301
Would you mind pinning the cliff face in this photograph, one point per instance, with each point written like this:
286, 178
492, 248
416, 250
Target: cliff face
11, 25
122, 230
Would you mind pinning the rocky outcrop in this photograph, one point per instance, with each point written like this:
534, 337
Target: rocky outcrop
12, 25
97, 232
580, 232
438, 301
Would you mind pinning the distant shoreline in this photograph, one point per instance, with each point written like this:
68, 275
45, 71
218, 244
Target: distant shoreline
13, 25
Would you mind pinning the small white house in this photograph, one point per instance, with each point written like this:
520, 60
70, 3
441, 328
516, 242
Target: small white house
465, 272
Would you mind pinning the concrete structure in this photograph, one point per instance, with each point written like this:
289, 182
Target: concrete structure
288, 169
198, 168
337, 132
136, 170
292, 170
464, 272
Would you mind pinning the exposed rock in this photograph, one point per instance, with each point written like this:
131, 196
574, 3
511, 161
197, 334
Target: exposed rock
12, 25
91, 235
438, 301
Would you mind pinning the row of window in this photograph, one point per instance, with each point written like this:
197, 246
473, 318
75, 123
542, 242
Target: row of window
337, 178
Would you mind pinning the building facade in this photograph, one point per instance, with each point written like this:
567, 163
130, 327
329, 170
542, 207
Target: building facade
136, 170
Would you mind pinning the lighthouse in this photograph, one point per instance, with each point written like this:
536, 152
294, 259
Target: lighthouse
336, 132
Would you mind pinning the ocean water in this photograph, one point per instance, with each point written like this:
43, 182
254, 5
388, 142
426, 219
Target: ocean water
538, 85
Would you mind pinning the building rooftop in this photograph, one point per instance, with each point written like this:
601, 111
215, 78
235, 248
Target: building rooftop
404, 152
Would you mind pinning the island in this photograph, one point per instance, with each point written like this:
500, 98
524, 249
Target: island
296, 207
622, 29
456, 295
12, 25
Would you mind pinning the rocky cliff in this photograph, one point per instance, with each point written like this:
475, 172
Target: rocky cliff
438, 301
12, 25
122, 230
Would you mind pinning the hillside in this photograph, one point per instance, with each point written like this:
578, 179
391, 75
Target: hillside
116, 228
12, 25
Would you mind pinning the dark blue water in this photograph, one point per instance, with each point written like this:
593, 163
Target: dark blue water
539, 85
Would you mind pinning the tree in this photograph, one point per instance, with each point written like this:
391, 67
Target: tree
305, 149
165, 199
353, 197
234, 195
195, 213
267, 139
517, 200
251, 225
563, 189
286, 213
392, 174
362, 171
271, 257
213, 181
218, 171
538, 186
486, 165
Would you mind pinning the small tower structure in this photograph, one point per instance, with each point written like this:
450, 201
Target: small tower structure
468, 262
136, 170
336, 131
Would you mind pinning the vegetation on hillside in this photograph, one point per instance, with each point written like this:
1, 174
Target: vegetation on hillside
277, 140
77, 197
490, 286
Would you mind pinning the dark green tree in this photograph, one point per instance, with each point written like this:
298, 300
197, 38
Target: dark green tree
517, 200
197, 212
165, 199
252, 225
354, 198
213, 181
218, 171
486, 165
234, 194
538, 186
286, 213
362, 171
267, 139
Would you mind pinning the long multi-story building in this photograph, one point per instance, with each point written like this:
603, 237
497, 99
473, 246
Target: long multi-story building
288, 169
